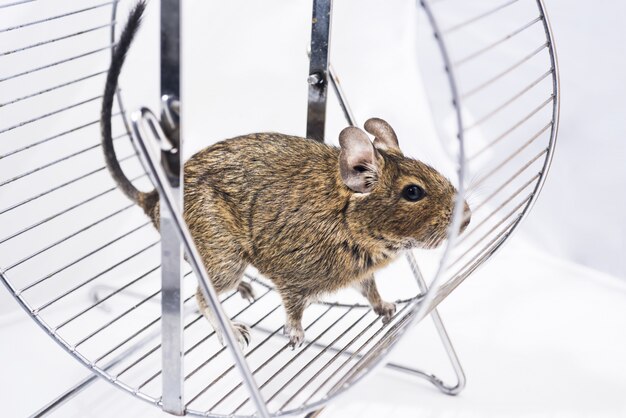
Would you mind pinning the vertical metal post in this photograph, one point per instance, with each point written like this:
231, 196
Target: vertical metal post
318, 69
171, 248
146, 126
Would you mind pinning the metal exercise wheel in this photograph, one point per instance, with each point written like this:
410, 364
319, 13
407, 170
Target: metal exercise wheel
88, 267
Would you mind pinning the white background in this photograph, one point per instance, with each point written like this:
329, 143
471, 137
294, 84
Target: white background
582, 214
547, 337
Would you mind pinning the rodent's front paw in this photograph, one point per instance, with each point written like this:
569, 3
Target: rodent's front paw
296, 336
386, 310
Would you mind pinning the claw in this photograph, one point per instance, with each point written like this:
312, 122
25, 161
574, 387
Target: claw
246, 291
296, 336
386, 310
242, 332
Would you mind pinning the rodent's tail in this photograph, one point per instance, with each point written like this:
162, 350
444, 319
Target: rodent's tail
145, 200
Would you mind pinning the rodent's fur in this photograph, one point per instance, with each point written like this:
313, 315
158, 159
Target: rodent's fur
310, 217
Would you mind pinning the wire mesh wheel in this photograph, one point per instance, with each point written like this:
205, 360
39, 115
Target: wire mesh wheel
84, 262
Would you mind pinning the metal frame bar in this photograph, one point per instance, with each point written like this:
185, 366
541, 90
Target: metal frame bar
318, 69
171, 248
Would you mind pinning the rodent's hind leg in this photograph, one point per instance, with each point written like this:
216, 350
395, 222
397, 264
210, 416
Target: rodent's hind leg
294, 308
241, 331
368, 288
226, 273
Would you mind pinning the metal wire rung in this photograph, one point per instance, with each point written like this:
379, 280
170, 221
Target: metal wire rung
517, 95
318, 355
492, 213
54, 112
207, 361
61, 38
49, 19
104, 299
15, 3
493, 228
54, 64
496, 43
58, 86
327, 364
503, 185
156, 347
298, 354
116, 319
136, 333
58, 187
92, 278
248, 354
224, 373
50, 138
148, 353
512, 128
73, 234
473, 264
78, 260
513, 155
356, 353
205, 339
501, 74
487, 246
478, 17
63, 212
60, 160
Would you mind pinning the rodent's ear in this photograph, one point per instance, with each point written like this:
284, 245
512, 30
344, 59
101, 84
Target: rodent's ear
358, 165
385, 136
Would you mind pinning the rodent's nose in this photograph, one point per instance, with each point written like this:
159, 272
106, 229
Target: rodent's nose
467, 217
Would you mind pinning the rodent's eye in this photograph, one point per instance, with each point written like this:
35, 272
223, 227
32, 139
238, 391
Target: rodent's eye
413, 193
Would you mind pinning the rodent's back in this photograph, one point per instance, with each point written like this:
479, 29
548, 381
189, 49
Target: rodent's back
282, 194
263, 158
251, 166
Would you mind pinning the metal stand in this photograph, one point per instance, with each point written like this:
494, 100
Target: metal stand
67, 235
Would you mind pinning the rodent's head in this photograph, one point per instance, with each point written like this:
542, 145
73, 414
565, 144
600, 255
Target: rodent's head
397, 199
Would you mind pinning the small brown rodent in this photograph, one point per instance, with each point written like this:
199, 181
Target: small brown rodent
310, 217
